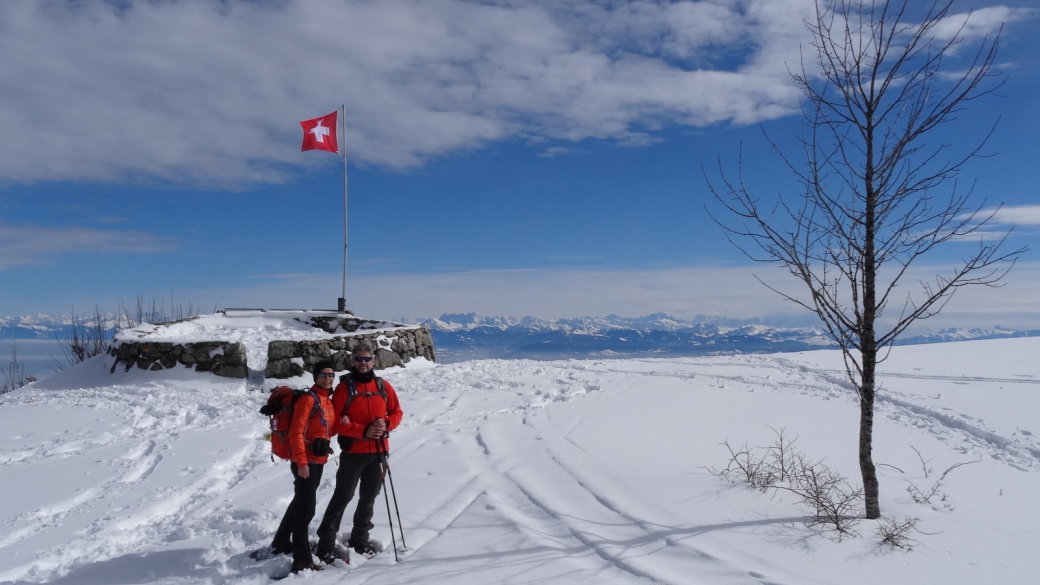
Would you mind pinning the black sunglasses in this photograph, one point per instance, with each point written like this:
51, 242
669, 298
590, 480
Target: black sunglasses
358, 358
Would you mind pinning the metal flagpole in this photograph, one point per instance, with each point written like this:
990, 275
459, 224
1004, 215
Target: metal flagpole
343, 151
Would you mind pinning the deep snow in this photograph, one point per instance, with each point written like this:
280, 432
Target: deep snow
518, 471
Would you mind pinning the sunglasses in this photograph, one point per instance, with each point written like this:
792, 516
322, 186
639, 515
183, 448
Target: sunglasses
324, 375
358, 358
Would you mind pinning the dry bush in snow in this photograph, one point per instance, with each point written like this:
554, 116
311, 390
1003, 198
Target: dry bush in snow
924, 495
895, 534
780, 467
15, 375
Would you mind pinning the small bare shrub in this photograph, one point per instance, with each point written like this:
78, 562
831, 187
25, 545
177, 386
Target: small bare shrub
91, 335
924, 495
762, 467
15, 375
153, 311
753, 471
828, 493
897, 534
780, 467
85, 338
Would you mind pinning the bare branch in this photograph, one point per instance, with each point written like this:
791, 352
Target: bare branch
876, 86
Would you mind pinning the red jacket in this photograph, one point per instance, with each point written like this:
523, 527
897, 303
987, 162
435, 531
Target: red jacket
303, 431
366, 407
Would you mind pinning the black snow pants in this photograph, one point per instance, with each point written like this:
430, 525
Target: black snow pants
353, 467
292, 532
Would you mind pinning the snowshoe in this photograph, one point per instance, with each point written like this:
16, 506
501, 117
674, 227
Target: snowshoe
298, 566
368, 548
337, 552
268, 552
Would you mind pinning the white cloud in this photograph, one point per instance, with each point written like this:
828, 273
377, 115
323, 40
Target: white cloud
681, 292
210, 91
555, 151
1018, 215
23, 245
1000, 219
979, 23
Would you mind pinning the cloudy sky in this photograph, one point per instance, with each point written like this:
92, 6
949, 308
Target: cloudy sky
510, 157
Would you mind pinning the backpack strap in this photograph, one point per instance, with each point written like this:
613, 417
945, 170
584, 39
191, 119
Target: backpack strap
352, 392
321, 413
351, 395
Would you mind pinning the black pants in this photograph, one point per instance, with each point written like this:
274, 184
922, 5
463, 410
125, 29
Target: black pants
353, 467
292, 532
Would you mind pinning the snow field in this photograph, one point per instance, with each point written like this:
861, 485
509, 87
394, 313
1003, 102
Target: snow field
512, 471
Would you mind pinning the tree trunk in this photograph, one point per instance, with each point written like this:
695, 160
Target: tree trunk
866, 438
867, 337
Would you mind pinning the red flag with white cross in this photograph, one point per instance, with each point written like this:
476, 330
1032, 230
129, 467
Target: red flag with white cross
320, 133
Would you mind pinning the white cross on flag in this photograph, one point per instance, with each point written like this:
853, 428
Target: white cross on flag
320, 133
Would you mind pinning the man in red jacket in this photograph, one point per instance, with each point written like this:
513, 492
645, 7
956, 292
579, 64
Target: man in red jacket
364, 421
308, 449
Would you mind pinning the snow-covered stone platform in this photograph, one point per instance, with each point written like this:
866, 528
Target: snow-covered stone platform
241, 343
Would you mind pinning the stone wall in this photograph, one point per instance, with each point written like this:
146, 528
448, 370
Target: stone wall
223, 358
393, 347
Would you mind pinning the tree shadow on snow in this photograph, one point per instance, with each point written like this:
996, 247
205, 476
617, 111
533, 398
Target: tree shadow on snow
458, 566
187, 564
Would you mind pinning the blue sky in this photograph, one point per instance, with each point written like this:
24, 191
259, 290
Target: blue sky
520, 158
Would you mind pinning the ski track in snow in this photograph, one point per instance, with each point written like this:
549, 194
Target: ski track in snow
956, 428
1021, 452
563, 506
150, 427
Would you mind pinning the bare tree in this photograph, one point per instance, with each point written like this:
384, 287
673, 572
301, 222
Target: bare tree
91, 335
878, 84
85, 338
15, 375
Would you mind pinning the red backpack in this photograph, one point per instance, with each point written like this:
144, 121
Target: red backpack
279, 408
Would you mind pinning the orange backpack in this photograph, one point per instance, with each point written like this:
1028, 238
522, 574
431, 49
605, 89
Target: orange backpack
279, 408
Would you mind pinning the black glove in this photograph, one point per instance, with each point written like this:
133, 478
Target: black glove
365, 434
270, 409
321, 447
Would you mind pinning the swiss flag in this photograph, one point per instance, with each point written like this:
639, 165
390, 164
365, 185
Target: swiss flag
320, 133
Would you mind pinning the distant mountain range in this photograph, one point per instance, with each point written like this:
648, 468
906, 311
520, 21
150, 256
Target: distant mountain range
459, 337
42, 326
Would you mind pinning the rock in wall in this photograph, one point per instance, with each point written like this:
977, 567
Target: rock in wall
393, 347
394, 344
223, 358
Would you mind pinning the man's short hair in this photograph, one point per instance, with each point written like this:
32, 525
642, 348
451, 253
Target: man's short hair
360, 348
322, 365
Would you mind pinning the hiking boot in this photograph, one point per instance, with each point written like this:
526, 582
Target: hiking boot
267, 552
329, 555
368, 548
297, 566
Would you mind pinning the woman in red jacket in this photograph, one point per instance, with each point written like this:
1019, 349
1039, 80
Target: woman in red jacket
364, 420
309, 437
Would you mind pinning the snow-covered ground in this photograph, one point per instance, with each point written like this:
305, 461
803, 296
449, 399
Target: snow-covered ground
592, 471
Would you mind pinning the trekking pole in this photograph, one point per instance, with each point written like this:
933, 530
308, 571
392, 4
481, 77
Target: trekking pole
390, 474
383, 467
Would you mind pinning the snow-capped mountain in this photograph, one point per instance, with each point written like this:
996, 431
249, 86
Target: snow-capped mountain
469, 336
43, 326
39, 326
459, 337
